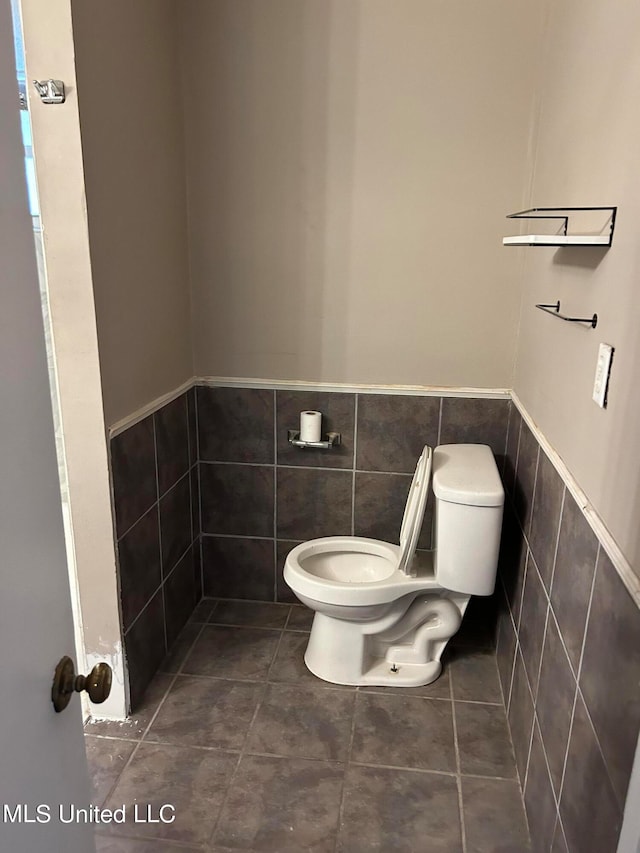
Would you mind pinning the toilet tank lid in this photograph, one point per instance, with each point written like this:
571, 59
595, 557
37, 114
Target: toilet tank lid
467, 474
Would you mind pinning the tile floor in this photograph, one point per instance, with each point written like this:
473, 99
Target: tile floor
256, 754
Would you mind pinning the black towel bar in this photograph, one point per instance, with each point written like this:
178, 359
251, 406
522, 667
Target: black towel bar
554, 310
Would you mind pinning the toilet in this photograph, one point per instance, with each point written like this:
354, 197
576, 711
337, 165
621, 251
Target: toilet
384, 613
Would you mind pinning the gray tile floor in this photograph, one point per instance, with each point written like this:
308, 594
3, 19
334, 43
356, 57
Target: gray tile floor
256, 754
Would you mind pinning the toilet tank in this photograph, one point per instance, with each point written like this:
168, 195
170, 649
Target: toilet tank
468, 517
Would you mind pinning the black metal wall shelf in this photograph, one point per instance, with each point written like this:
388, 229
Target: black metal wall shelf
564, 238
554, 310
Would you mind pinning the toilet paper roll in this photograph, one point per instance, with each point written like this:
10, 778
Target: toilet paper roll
310, 426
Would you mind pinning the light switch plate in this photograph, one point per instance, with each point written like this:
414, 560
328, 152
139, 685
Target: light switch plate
603, 370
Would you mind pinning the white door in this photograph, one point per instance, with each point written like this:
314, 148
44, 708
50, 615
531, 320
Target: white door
42, 760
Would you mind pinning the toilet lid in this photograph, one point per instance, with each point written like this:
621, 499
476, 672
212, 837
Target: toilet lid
414, 511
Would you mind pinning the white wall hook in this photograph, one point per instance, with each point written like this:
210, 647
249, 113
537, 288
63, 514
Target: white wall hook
51, 91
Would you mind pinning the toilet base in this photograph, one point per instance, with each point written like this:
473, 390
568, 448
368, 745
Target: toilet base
381, 674
402, 652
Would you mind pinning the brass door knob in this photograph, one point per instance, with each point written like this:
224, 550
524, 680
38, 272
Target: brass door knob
66, 683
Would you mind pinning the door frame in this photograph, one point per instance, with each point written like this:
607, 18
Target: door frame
73, 346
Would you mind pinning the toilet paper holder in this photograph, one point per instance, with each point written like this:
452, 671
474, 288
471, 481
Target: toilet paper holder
333, 440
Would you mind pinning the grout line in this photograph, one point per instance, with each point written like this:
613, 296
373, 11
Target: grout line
355, 450
386, 473
348, 761
456, 747
517, 459
237, 536
506, 438
252, 627
556, 823
191, 507
197, 677
315, 468
351, 734
137, 521
448, 773
141, 839
561, 825
157, 590
544, 640
197, 465
588, 616
562, 642
525, 574
189, 650
279, 756
440, 421
164, 606
275, 654
286, 621
173, 486
566, 751
368, 691
275, 495
191, 647
514, 628
339, 688
513, 779
275, 571
533, 493
557, 545
512, 676
89, 734
556, 800
217, 599
533, 724
177, 483
288, 757
189, 448
241, 464
177, 563
306, 468
197, 424
164, 613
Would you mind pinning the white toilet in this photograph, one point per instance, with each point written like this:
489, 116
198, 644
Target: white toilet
384, 614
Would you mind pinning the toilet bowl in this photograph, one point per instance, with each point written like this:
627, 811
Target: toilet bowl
383, 612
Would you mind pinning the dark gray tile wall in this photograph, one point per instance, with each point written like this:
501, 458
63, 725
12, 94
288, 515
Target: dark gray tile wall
209, 498
260, 496
568, 656
156, 505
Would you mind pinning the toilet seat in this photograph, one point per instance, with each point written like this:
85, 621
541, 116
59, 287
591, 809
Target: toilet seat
357, 557
345, 569
414, 511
